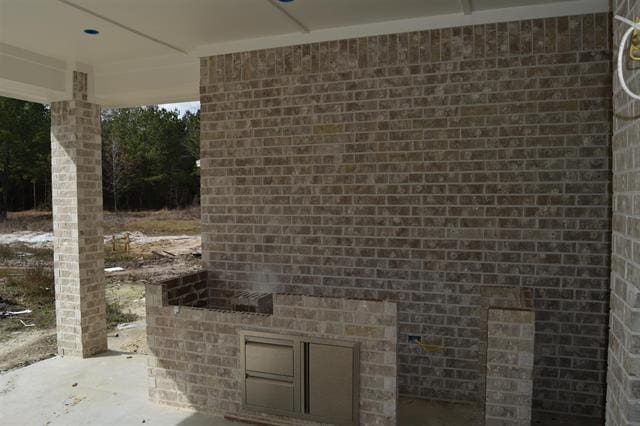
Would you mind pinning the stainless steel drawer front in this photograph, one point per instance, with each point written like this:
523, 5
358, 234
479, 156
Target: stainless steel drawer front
268, 358
269, 394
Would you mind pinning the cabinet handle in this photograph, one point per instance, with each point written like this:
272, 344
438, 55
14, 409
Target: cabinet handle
305, 388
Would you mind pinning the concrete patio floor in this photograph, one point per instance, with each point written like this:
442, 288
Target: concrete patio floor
110, 389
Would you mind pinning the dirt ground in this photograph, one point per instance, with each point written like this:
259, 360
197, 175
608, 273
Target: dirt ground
163, 244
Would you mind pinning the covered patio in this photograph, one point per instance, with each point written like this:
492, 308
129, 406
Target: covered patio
440, 197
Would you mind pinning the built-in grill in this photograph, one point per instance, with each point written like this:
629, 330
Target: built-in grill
253, 301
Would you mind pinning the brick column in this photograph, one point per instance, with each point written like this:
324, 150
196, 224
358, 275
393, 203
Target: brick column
510, 336
77, 223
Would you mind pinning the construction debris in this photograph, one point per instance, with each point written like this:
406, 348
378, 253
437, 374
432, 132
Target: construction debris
114, 269
130, 325
5, 314
165, 254
126, 243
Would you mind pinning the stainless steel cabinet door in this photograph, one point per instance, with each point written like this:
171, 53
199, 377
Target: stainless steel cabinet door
329, 380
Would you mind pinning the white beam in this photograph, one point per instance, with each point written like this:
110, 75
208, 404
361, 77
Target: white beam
285, 12
148, 81
32, 77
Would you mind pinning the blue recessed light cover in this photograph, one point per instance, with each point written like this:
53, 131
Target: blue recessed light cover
285, 1
91, 31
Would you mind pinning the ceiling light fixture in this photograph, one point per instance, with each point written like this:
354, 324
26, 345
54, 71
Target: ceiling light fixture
91, 31
285, 1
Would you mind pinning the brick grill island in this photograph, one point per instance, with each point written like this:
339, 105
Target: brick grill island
195, 345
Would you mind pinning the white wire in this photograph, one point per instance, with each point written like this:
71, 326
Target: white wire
621, 53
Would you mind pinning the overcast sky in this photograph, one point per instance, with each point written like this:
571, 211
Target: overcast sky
182, 107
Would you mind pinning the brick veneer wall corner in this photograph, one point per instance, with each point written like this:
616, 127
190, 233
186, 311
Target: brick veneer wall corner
623, 379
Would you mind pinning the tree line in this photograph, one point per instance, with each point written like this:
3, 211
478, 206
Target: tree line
149, 157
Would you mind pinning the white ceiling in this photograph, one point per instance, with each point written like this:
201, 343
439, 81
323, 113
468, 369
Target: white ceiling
167, 36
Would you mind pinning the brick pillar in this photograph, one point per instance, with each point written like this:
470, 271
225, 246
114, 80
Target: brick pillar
510, 337
77, 223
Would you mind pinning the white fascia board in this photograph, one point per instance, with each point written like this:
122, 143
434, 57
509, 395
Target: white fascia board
148, 81
30, 93
168, 95
548, 10
37, 78
32, 77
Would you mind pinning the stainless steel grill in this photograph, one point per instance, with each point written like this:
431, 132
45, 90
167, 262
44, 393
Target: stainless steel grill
253, 301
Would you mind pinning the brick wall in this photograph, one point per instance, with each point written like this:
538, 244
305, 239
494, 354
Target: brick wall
194, 359
420, 167
623, 393
509, 367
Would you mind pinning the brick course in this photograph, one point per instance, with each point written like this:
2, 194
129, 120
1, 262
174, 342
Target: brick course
420, 167
76, 165
623, 392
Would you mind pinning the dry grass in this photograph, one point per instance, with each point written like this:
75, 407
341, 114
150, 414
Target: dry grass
32, 289
116, 316
30, 220
36, 285
21, 251
157, 222
160, 222
166, 227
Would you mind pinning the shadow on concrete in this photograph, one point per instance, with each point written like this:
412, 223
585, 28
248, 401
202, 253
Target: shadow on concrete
111, 353
197, 419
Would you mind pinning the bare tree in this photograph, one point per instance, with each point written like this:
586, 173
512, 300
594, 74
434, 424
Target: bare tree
114, 169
